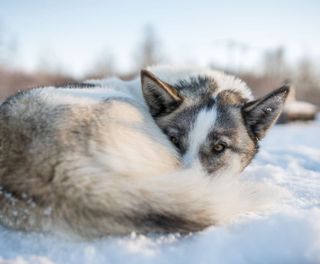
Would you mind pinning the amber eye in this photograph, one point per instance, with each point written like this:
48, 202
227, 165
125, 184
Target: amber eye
218, 148
174, 140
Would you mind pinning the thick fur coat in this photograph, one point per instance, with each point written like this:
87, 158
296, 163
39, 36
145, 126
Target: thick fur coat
96, 158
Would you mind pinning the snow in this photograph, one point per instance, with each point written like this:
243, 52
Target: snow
289, 157
299, 107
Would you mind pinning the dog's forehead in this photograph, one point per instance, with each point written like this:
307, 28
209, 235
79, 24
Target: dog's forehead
226, 103
203, 89
198, 86
215, 114
189, 113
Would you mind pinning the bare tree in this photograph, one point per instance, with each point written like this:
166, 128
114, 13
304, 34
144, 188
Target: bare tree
275, 68
1, 43
8, 46
308, 87
149, 51
103, 67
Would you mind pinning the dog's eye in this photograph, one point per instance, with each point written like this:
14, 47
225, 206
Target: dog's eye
174, 140
219, 148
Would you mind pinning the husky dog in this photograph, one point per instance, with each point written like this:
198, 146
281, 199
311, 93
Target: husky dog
157, 154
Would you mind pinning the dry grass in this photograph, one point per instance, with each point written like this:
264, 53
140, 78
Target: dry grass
14, 81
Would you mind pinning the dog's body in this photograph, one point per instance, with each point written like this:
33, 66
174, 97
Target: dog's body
96, 158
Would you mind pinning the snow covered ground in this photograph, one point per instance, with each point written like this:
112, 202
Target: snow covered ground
289, 157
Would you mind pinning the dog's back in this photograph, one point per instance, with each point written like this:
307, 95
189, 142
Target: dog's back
61, 146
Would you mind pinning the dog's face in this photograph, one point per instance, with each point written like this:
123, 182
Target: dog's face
217, 129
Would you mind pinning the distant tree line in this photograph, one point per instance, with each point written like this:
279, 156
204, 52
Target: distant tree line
275, 70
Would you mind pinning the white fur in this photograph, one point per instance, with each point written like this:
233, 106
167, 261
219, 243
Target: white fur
202, 126
191, 192
83, 96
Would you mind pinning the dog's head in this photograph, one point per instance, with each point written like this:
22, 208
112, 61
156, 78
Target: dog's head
210, 118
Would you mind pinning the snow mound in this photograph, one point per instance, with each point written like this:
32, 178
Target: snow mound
297, 107
289, 158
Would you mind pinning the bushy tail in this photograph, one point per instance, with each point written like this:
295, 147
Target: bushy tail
219, 199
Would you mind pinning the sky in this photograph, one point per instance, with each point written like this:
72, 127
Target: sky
74, 34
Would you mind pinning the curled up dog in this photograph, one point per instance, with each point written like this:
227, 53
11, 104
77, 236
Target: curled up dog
162, 153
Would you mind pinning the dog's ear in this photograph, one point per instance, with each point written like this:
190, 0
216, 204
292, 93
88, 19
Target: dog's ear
161, 97
261, 114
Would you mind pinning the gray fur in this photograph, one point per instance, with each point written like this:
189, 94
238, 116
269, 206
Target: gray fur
237, 127
94, 161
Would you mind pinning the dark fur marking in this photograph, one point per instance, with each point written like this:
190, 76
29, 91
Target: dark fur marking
172, 223
223, 133
197, 85
178, 133
78, 85
229, 97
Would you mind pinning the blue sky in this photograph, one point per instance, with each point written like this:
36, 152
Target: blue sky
76, 33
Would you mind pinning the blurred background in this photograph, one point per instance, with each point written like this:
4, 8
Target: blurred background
266, 43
